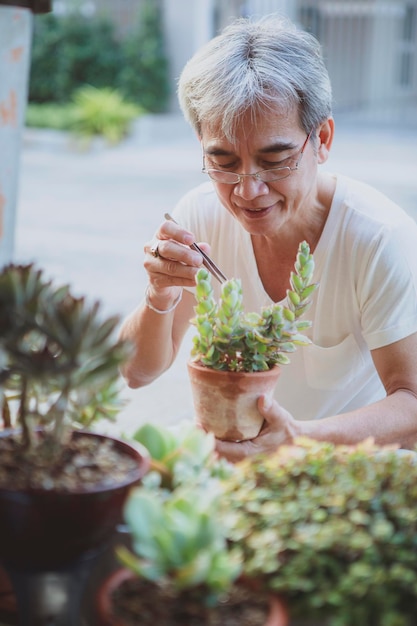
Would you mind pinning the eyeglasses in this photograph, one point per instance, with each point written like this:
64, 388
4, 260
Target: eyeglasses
266, 176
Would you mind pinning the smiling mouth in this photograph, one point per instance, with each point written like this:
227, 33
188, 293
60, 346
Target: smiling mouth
262, 210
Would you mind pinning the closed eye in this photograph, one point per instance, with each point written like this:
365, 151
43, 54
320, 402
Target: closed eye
221, 166
267, 165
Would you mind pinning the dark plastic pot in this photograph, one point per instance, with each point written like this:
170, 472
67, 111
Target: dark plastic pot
50, 540
42, 529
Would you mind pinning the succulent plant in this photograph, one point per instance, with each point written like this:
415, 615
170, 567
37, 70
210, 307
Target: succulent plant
59, 362
181, 455
172, 516
227, 338
332, 529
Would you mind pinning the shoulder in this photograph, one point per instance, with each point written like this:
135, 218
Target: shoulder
366, 231
369, 204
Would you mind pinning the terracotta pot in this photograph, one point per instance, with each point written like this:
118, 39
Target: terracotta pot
225, 403
277, 616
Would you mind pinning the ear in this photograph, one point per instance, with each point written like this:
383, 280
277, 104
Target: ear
325, 136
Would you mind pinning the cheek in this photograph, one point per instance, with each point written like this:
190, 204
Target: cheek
225, 194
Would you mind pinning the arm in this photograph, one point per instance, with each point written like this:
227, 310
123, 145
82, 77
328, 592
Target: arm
157, 337
391, 420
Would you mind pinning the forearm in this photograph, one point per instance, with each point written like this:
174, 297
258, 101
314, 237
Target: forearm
391, 420
155, 338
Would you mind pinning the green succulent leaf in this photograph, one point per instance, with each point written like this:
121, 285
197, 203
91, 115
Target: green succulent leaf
228, 338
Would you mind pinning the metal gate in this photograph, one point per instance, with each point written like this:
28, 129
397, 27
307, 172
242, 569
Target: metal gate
370, 48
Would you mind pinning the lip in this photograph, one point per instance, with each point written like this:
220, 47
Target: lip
256, 213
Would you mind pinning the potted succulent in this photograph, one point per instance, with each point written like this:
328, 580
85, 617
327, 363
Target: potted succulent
180, 568
331, 530
236, 355
62, 488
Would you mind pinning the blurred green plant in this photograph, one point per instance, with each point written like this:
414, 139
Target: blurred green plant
181, 456
74, 50
59, 360
70, 51
177, 539
54, 116
144, 76
331, 529
102, 112
92, 112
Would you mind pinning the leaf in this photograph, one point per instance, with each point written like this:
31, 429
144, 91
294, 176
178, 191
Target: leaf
158, 441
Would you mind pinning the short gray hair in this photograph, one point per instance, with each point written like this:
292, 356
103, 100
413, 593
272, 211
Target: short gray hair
254, 65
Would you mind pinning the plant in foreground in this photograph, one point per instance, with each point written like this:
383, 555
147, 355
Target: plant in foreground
229, 339
59, 362
332, 529
172, 516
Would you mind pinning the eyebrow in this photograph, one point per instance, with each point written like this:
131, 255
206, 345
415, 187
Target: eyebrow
278, 146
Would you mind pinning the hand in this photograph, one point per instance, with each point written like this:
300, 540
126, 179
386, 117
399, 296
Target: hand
170, 262
279, 428
168, 258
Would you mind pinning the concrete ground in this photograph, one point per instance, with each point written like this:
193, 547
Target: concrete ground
84, 216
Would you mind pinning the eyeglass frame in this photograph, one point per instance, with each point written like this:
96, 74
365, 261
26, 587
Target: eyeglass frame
257, 175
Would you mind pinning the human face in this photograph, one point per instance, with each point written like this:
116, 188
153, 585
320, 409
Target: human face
272, 141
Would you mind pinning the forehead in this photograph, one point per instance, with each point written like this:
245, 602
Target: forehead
255, 130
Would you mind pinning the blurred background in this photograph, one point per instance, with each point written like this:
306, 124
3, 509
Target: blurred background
140, 47
94, 150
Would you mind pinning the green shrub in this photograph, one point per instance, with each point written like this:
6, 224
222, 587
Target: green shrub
71, 51
91, 112
331, 529
144, 75
102, 112
55, 116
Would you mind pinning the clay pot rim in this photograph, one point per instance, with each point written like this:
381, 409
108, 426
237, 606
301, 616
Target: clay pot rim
135, 451
205, 368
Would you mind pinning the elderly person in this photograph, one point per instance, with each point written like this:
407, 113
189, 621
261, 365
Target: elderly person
259, 99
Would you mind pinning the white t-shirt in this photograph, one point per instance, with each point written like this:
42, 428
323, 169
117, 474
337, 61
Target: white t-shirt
366, 267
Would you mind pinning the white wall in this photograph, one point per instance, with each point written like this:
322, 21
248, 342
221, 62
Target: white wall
188, 25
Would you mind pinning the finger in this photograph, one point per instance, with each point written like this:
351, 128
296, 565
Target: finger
266, 408
168, 249
164, 272
154, 250
279, 425
171, 230
234, 452
206, 247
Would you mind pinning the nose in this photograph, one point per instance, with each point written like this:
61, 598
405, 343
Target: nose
250, 187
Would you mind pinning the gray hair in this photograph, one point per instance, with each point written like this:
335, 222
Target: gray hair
256, 65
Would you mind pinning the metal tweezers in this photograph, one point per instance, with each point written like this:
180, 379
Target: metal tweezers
207, 261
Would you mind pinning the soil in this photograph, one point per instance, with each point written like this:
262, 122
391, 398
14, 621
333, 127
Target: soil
137, 601
85, 463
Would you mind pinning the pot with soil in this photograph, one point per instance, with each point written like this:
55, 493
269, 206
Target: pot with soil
178, 567
62, 489
236, 355
124, 599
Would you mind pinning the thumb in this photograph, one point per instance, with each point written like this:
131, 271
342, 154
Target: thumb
265, 406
